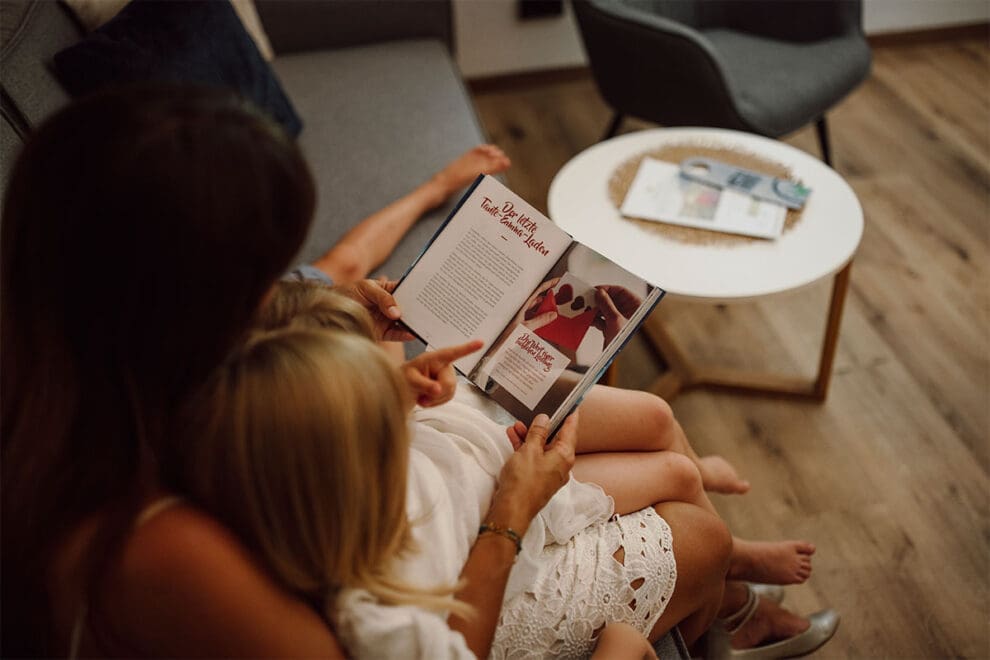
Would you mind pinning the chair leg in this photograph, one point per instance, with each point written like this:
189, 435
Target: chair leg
822, 130
613, 128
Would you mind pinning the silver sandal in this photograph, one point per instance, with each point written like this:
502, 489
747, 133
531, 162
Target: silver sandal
718, 644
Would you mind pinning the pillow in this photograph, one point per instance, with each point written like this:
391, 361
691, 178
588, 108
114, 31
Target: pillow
196, 41
94, 13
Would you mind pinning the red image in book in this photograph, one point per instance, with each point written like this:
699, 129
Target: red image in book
575, 313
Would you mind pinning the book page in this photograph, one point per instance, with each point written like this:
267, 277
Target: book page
564, 335
480, 267
660, 193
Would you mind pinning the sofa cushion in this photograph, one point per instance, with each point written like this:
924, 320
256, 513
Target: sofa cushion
199, 42
32, 33
380, 120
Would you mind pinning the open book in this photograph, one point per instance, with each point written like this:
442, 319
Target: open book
552, 313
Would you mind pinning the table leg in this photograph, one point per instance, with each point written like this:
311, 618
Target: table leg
682, 375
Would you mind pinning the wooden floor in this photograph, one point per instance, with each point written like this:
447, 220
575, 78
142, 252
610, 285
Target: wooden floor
890, 476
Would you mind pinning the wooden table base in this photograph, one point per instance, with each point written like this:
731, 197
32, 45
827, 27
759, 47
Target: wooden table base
682, 375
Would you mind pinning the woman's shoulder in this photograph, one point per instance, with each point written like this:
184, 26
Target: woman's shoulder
191, 587
183, 547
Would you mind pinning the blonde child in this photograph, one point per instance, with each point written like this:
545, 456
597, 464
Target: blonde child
301, 443
302, 425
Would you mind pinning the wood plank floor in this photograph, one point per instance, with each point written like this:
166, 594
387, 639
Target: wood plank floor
890, 476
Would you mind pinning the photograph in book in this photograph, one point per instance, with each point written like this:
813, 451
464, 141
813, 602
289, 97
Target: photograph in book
551, 313
557, 342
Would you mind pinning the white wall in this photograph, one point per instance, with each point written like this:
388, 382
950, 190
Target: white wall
901, 15
491, 40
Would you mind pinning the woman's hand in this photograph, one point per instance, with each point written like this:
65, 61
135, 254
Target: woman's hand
431, 375
534, 473
376, 297
528, 480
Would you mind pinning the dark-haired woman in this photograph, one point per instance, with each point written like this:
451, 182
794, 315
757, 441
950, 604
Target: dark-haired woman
141, 231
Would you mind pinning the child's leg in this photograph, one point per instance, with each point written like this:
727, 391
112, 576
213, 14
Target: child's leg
371, 241
614, 419
636, 480
620, 641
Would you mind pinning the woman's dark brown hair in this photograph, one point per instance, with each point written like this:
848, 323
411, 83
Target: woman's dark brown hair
141, 229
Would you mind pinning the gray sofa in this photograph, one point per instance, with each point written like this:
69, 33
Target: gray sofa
382, 102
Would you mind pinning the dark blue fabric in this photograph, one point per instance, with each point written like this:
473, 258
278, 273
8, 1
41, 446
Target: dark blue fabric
196, 41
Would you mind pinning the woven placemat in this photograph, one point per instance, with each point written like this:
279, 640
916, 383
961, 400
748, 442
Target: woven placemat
622, 178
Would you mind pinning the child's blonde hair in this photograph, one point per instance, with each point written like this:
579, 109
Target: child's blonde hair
302, 446
308, 304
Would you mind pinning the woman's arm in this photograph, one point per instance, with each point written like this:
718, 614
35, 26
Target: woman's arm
529, 479
187, 588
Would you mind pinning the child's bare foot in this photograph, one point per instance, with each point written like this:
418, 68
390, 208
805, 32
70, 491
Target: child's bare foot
718, 476
483, 159
772, 562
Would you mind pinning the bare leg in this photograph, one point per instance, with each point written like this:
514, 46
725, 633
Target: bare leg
625, 420
701, 547
620, 640
636, 480
371, 241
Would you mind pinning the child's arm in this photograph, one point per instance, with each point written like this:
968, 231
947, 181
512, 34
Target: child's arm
620, 641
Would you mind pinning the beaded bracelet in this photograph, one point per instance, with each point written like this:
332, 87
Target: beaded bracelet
502, 531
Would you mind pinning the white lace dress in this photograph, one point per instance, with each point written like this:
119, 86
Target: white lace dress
565, 584
580, 587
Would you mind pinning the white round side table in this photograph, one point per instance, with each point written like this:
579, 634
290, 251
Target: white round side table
820, 245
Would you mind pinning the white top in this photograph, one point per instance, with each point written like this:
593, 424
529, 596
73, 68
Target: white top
455, 458
819, 245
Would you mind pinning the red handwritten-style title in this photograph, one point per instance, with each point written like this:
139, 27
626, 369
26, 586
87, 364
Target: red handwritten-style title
520, 225
536, 348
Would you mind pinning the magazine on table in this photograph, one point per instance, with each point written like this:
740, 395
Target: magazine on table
552, 313
660, 193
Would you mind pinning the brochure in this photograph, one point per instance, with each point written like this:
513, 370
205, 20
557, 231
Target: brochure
660, 193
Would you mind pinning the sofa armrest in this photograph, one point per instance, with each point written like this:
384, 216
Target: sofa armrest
307, 25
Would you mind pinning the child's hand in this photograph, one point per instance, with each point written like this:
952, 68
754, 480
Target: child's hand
376, 297
431, 376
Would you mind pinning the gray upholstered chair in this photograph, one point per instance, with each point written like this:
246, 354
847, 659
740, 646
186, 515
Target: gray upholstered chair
763, 66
